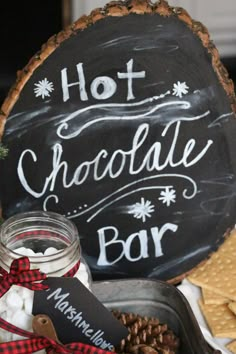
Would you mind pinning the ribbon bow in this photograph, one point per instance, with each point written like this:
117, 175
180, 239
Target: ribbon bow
21, 274
35, 342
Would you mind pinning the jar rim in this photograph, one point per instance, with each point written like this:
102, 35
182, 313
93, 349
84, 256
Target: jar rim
37, 215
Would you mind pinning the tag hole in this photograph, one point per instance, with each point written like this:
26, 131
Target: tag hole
43, 321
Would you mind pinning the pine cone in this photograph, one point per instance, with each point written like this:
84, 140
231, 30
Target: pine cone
146, 335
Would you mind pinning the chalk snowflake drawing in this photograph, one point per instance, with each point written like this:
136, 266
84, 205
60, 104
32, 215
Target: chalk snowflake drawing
43, 88
142, 210
180, 89
168, 196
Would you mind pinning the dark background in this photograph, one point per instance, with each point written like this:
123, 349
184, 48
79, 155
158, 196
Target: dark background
25, 25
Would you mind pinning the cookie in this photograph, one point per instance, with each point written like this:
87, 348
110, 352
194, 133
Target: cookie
221, 321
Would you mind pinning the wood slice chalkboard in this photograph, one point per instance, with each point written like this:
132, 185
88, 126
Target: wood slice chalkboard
125, 124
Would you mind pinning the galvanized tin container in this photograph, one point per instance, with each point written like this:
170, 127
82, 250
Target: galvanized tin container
158, 299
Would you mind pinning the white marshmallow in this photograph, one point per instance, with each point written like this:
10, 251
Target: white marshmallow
22, 320
38, 254
10, 313
28, 304
2, 335
17, 337
51, 250
3, 298
20, 250
46, 268
24, 293
3, 315
3, 306
5, 336
14, 301
82, 267
29, 252
7, 315
83, 276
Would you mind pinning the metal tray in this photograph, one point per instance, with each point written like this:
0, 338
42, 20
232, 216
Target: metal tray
159, 299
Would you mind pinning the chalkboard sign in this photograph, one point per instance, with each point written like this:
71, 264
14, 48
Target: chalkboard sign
125, 124
69, 304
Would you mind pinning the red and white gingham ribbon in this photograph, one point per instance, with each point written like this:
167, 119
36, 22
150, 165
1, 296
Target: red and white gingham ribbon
21, 274
36, 342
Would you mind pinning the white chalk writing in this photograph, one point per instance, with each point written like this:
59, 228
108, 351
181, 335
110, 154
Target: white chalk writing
108, 236
150, 163
102, 87
145, 159
63, 305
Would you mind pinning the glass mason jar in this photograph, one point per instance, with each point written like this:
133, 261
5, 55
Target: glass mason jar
51, 242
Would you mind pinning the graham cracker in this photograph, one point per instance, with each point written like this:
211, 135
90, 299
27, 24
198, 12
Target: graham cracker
221, 321
232, 346
218, 273
211, 298
232, 307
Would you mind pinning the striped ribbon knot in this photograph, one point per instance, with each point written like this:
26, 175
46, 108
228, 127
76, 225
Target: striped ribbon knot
21, 274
